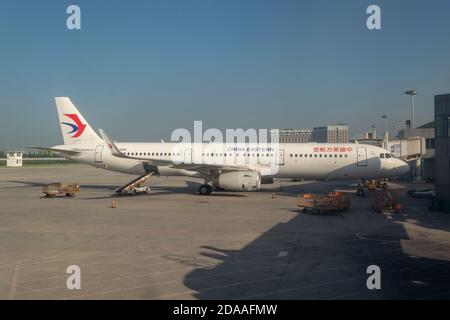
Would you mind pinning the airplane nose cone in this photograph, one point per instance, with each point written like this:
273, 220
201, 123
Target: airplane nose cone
403, 168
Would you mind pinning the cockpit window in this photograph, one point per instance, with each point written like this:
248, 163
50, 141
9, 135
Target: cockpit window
386, 155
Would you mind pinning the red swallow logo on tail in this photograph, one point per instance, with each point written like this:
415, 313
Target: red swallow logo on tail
77, 127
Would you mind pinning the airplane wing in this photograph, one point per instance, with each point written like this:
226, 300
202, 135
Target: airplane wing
201, 168
207, 168
63, 151
117, 153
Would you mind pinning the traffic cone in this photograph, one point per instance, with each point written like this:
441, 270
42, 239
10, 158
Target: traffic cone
113, 203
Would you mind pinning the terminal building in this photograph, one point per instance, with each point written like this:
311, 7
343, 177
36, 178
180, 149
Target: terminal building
442, 150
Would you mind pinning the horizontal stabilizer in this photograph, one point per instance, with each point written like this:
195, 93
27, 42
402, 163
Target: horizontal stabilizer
67, 152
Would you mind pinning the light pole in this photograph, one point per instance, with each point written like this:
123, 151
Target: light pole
412, 93
385, 131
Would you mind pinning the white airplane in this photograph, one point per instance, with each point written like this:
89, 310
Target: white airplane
235, 166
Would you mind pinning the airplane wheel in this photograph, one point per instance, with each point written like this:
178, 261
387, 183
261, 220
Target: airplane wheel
205, 189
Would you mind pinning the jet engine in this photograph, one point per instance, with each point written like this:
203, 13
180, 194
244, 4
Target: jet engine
267, 180
237, 180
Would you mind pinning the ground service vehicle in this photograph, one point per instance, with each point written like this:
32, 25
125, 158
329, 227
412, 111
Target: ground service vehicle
333, 201
53, 189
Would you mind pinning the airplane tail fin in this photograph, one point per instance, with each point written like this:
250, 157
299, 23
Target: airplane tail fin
74, 127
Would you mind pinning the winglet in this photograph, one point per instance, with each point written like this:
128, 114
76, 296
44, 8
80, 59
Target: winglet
110, 145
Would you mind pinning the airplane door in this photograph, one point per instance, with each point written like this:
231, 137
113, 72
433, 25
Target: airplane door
280, 157
98, 153
361, 156
188, 156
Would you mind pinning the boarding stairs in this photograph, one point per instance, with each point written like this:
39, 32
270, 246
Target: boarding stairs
139, 181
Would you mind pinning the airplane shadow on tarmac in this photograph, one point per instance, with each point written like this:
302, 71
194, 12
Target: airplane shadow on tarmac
190, 188
32, 184
326, 257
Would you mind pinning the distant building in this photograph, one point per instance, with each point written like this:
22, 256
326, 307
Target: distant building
290, 135
442, 133
14, 159
325, 134
331, 134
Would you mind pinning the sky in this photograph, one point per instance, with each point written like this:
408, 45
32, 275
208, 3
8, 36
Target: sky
140, 69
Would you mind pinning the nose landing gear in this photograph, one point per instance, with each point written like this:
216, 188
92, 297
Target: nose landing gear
371, 185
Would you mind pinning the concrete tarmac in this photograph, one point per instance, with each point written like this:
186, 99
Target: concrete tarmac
175, 244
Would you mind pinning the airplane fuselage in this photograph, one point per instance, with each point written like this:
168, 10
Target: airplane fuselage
306, 160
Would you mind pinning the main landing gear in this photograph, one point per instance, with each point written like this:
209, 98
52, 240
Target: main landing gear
205, 190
